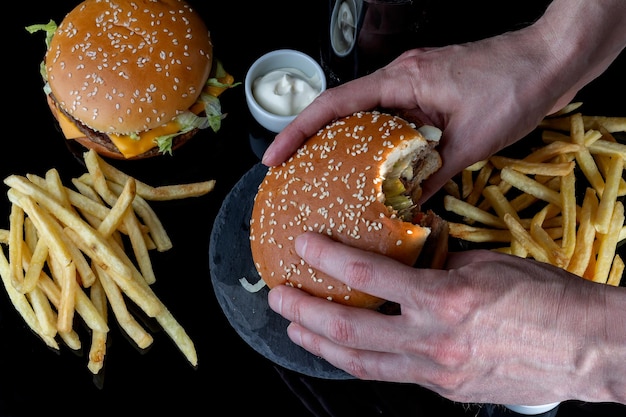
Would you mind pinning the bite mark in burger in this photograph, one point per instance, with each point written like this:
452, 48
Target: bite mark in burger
357, 181
132, 79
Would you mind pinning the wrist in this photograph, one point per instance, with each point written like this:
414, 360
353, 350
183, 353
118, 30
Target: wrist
600, 367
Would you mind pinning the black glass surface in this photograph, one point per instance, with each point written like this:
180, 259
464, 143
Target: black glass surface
231, 375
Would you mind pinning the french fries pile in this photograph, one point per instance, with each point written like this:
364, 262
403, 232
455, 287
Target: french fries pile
562, 203
68, 255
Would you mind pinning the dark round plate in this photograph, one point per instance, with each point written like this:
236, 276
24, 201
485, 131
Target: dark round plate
230, 260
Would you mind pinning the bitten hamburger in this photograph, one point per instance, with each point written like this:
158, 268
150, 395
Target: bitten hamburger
132, 79
357, 181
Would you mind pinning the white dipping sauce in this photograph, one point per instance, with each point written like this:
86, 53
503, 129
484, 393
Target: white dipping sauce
285, 91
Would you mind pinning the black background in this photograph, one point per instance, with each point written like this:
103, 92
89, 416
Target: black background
230, 376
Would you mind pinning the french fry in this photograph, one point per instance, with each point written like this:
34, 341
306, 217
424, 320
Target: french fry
167, 192
120, 206
585, 235
607, 245
550, 136
36, 265
569, 108
605, 147
16, 234
612, 124
499, 202
178, 335
478, 234
533, 168
56, 188
502, 206
156, 230
46, 317
21, 304
477, 166
47, 226
133, 329
562, 145
617, 270
591, 266
97, 350
543, 168
452, 188
591, 136
603, 161
524, 238
555, 253
589, 168
139, 247
68, 296
608, 198
577, 129
471, 212
569, 213
530, 186
467, 182
479, 183
71, 339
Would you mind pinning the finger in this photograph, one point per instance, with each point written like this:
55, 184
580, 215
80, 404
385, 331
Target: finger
366, 271
329, 105
345, 326
362, 364
378, 348
388, 87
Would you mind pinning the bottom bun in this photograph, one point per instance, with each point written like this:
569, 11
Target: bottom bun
333, 185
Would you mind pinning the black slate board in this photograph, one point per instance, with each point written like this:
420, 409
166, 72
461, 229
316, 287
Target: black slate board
248, 313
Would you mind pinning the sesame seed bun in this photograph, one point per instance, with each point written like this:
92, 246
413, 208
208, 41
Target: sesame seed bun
124, 67
334, 185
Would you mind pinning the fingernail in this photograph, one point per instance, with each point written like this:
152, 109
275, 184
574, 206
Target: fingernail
300, 245
267, 155
295, 334
275, 300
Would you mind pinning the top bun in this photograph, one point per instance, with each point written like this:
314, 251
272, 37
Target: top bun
333, 185
128, 66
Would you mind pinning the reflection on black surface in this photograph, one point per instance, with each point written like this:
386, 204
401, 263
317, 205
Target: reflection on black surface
260, 138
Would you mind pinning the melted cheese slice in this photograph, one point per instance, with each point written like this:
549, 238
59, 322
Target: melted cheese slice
128, 147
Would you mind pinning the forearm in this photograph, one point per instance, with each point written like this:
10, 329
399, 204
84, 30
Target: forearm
582, 38
602, 365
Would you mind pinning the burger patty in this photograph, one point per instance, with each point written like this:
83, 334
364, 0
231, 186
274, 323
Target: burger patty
104, 140
435, 250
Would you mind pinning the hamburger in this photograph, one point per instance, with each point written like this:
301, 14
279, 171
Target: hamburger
132, 79
357, 181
